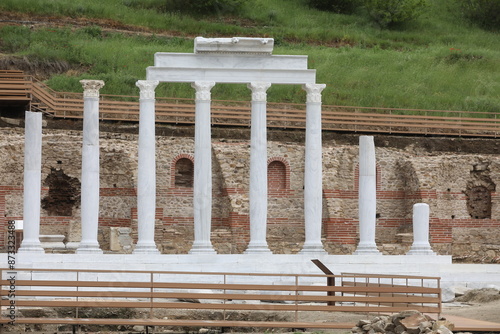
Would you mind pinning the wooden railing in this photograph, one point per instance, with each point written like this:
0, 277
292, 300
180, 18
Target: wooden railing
280, 115
227, 293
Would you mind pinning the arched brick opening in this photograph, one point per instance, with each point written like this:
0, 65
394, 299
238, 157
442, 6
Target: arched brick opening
183, 171
278, 174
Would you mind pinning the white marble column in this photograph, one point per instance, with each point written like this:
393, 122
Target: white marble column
90, 167
258, 169
421, 245
313, 172
32, 183
202, 183
367, 197
146, 171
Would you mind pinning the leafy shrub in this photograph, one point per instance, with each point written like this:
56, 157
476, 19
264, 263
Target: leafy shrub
188, 6
206, 6
158, 5
485, 13
337, 6
387, 13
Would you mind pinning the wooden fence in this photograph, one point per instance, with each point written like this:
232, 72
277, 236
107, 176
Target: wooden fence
224, 293
279, 115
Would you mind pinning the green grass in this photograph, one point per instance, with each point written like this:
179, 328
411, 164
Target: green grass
436, 62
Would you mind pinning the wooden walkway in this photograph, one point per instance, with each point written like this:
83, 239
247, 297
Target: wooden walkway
471, 325
16, 85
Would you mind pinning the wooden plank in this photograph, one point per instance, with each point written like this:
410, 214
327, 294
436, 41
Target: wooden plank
407, 121
102, 284
299, 298
457, 118
14, 98
80, 303
382, 122
184, 322
75, 294
472, 325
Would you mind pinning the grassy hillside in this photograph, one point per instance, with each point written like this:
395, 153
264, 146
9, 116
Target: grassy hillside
437, 62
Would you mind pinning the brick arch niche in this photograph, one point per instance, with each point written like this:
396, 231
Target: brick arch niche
278, 174
182, 171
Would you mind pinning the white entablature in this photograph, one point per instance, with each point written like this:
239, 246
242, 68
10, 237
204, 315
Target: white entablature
231, 60
234, 45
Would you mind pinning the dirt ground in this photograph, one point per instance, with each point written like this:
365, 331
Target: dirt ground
481, 304
488, 311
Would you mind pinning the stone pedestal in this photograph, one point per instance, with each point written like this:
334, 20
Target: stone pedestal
367, 197
258, 170
53, 242
421, 245
90, 167
202, 183
120, 239
32, 183
313, 171
146, 174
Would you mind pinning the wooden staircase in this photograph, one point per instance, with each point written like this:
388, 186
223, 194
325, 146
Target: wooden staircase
15, 88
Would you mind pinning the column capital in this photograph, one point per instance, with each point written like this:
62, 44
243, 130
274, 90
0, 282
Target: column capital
203, 89
91, 87
147, 88
259, 89
313, 92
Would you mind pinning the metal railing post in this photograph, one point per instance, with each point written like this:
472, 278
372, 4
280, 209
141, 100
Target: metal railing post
296, 298
151, 299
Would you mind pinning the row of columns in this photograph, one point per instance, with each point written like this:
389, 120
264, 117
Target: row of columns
202, 192
258, 170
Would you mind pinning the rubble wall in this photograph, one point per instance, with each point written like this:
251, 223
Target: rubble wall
456, 177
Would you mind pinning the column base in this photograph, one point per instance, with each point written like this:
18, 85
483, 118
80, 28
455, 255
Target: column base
421, 250
367, 249
88, 249
257, 249
313, 248
146, 249
202, 248
31, 247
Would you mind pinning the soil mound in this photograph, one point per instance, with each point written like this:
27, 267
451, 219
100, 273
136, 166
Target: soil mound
40, 69
485, 295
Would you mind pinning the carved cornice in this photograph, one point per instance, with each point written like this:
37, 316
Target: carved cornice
203, 89
91, 87
259, 90
147, 88
313, 92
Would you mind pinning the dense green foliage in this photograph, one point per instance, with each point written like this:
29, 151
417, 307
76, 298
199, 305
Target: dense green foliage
434, 62
486, 13
188, 6
386, 13
336, 6
389, 13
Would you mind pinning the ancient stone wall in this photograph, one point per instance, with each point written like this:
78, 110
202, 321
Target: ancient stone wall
455, 178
